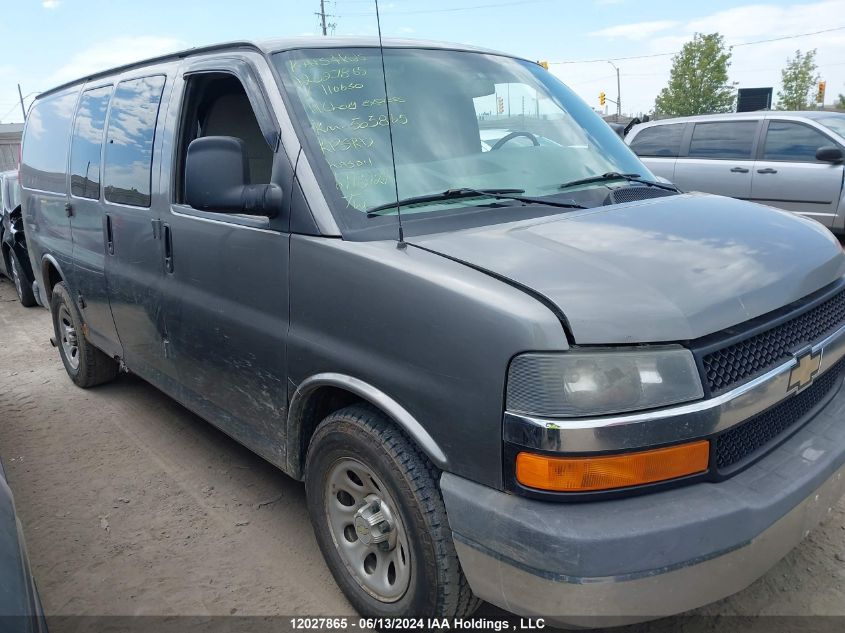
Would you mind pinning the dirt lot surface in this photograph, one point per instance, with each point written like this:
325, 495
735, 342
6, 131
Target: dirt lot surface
132, 505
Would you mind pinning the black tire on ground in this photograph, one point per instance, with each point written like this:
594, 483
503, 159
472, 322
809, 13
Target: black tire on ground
88, 366
437, 586
23, 286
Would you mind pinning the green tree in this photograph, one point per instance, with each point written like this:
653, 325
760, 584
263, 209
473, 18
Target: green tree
798, 80
698, 82
841, 103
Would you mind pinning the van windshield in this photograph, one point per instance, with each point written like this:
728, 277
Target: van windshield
459, 120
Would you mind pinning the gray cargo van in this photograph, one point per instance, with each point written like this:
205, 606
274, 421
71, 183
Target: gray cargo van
524, 372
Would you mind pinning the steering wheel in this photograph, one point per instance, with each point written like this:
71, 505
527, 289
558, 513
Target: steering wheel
514, 135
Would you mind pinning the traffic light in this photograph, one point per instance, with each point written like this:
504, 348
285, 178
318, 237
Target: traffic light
601, 98
544, 64
820, 93
500, 105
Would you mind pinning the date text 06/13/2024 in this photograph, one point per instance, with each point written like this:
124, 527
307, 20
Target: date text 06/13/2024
409, 624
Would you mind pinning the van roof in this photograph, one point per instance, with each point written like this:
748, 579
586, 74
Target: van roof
269, 46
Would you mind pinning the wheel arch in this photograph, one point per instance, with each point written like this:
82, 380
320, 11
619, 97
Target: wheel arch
51, 273
322, 394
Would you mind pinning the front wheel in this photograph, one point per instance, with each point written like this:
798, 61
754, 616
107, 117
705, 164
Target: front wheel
380, 521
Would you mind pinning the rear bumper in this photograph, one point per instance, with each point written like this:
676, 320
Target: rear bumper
618, 561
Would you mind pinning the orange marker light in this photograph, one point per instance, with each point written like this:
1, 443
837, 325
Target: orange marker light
584, 474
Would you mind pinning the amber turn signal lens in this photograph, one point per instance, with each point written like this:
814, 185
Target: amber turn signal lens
584, 474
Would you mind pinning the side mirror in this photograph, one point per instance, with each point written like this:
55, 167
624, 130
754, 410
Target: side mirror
829, 154
217, 179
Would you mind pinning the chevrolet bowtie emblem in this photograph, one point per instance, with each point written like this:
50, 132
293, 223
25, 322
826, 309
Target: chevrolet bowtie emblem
806, 369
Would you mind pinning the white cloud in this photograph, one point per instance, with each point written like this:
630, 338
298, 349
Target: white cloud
758, 65
636, 31
110, 53
51, 4
407, 29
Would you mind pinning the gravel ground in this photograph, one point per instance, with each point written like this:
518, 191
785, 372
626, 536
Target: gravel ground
131, 505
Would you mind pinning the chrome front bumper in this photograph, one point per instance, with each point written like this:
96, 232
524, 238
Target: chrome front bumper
673, 424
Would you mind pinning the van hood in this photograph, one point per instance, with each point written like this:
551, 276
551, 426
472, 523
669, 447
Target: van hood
667, 269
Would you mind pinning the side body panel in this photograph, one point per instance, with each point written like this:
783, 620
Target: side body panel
44, 183
134, 259
225, 292
432, 334
88, 231
725, 177
811, 189
787, 176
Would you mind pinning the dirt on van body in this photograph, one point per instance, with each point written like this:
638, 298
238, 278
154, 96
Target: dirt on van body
131, 505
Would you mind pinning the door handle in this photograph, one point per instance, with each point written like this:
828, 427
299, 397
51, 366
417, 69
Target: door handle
168, 249
109, 235
767, 170
739, 170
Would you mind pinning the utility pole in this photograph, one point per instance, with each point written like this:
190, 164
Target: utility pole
323, 15
618, 91
23, 108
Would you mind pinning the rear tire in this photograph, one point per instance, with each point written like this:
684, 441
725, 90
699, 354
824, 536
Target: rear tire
358, 463
23, 287
86, 365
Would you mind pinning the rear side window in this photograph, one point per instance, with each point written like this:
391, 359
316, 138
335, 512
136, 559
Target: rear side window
87, 142
659, 140
131, 132
792, 141
45, 143
725, 139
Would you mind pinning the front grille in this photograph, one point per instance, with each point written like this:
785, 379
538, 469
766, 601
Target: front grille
746, 439
729, 366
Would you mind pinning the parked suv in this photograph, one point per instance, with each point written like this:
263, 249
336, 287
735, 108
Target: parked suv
789, 160
523, 375
14, 260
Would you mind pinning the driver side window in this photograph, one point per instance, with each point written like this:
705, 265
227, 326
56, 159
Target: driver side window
216, 104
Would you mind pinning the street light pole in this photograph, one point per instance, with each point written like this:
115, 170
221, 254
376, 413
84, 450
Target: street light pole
618, 91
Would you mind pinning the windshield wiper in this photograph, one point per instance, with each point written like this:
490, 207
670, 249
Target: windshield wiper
467, 192
615, 175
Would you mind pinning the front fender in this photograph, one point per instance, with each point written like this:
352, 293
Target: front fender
367, 392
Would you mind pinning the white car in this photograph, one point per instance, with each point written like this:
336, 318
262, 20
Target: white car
790, 160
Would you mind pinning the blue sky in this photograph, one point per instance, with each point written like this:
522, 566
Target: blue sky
52, 41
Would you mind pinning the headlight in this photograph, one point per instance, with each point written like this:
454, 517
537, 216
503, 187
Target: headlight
600, 382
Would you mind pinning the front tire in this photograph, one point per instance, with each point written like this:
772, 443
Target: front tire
86, 365
380, 521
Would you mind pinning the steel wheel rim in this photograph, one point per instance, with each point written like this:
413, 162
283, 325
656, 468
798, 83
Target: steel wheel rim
16, 276
382, 569
70, 342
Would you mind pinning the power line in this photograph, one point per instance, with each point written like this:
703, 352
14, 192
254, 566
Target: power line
629, 57
12, 109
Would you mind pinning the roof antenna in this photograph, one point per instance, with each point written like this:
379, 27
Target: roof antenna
390, 130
